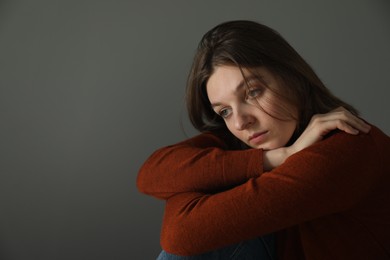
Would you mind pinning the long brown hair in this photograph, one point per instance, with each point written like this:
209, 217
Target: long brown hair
251, 45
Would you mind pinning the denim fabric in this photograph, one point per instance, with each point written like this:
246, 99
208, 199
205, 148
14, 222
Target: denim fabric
262, 248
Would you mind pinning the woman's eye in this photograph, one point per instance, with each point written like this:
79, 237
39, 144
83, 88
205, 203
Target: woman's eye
224, 113
253, 93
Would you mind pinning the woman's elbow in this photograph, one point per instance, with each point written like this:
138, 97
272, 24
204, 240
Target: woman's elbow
146, 183
142, 181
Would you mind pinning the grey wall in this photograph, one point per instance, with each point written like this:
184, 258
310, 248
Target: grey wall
90, 88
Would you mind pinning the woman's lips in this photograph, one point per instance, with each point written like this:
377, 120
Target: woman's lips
258, 137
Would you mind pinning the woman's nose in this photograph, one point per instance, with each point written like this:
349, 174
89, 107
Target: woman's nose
243, 120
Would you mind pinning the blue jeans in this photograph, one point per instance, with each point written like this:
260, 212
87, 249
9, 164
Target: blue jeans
262, 248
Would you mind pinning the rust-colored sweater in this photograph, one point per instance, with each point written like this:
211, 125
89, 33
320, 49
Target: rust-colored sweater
329, 201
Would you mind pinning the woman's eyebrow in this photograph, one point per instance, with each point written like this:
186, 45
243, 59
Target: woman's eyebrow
237, 89
250, 79
214, 105
240, 85
247, 80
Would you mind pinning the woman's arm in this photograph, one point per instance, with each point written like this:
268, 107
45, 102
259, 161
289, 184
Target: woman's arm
328, 177
203, 163
198, 164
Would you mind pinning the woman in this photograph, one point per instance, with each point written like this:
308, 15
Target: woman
321, 192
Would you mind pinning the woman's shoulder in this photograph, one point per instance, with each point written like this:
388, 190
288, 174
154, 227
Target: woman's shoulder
377, 133
381, 141
374, 142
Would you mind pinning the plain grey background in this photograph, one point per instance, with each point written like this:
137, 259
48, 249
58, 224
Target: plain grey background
88, 89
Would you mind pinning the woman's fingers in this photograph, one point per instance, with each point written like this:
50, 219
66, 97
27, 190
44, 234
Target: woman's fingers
343, 126
344, 120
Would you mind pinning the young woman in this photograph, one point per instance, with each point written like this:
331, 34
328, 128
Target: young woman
279, 161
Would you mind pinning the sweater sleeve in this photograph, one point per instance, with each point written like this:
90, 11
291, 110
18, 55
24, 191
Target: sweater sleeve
328, 177
199, 164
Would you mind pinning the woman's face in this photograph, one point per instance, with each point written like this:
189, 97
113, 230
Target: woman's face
239, 105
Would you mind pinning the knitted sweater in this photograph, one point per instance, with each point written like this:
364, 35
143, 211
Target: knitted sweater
328, 201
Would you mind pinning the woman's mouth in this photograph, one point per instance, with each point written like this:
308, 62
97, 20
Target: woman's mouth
257, 138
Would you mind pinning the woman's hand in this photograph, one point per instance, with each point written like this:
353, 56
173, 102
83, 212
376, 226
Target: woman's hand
322, 124
319, 126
